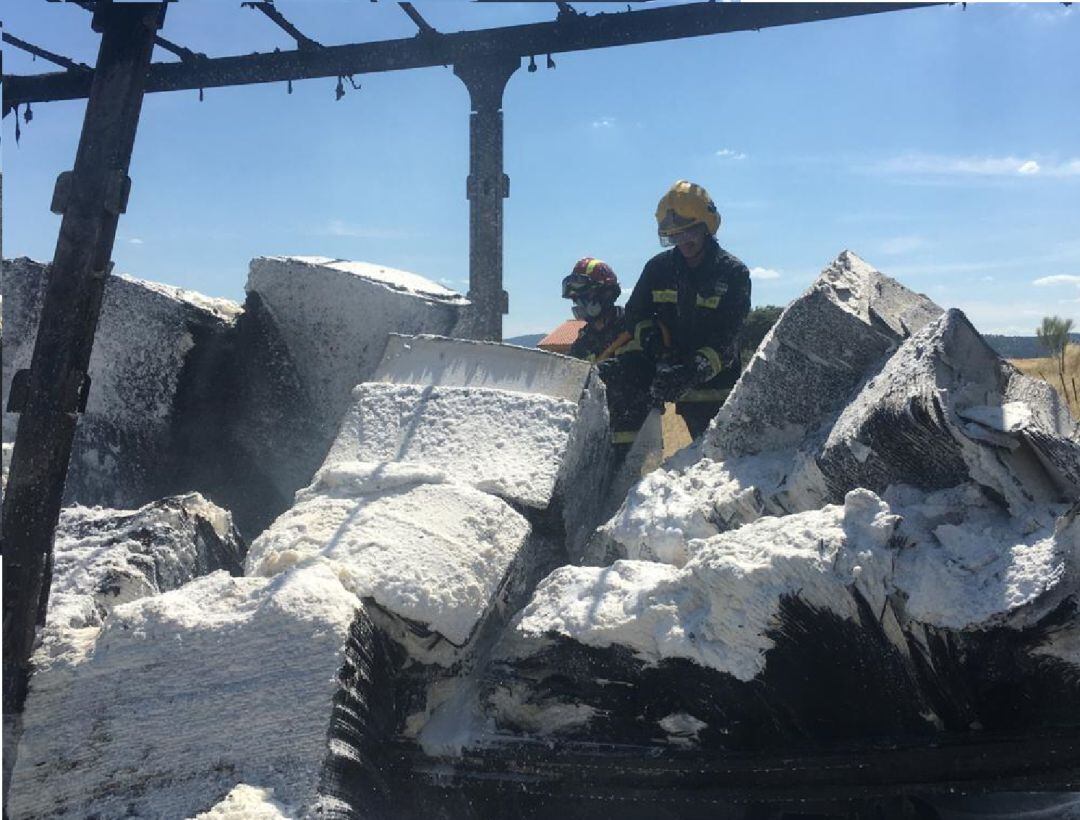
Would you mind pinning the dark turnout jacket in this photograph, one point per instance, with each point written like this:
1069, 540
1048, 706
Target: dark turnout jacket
700, 310
596, 338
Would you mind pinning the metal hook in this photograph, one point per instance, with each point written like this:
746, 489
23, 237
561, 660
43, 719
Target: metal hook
339, 92
550, 62
532, 64
200, 95
288, 86
27, 114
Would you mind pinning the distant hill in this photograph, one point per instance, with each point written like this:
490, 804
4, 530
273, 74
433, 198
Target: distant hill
528, 340
1021, 347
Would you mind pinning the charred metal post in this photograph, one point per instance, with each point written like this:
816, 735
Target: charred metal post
486, 188
91, 199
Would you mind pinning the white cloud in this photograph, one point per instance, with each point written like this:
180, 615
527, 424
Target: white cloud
727, 153
135, 241
1058, 279
604, 122
903, 244
764, 273
1044, 14
337, 227
978, 166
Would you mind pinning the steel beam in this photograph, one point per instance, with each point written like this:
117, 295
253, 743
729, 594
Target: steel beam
578, 33
91, 198
486, 188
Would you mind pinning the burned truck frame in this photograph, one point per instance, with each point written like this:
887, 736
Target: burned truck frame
94, 195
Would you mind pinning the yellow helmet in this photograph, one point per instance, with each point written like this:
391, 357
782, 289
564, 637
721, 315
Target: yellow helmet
683, 206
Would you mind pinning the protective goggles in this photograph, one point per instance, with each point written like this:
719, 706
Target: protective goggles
577, 285
691, 234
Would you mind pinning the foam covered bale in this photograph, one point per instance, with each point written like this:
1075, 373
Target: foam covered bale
946, 409
425, 549
692, 497
178, 698
103, 558
820, 349
757, 457
804, 626
334, 317
528, 426
147, 338
509, 444
266, 434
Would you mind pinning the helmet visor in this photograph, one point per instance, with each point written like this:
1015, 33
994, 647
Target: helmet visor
577, 284
695, 231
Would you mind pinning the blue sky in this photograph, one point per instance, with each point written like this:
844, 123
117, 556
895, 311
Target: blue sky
941, 144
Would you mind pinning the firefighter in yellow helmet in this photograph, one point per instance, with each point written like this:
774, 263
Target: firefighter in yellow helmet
684, 315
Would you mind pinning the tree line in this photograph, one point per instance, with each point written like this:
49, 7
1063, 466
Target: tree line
1053, 334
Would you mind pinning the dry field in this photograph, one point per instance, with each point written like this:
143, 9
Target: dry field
675, 435
1046, 369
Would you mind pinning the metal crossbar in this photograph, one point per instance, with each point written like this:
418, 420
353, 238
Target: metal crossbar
37, 51
422, 24
185, 54
303, 42
579, 33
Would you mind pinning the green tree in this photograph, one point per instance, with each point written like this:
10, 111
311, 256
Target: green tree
758, 322
1054, 336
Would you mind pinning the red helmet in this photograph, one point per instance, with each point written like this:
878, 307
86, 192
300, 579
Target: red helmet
592, 280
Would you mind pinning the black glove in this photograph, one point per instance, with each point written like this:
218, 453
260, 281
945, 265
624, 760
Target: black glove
670, 382
651, 339
703, 369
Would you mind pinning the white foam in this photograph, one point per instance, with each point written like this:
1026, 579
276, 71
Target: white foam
506, 443
181, 696
422, 547
954, 565
248, 803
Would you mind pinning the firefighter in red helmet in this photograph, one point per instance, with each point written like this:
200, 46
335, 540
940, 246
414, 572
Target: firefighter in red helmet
593, 288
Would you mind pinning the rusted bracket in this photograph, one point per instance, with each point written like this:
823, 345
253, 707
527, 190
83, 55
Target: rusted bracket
117, 192
566, 11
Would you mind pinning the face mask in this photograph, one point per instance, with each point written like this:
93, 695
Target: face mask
587, 310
